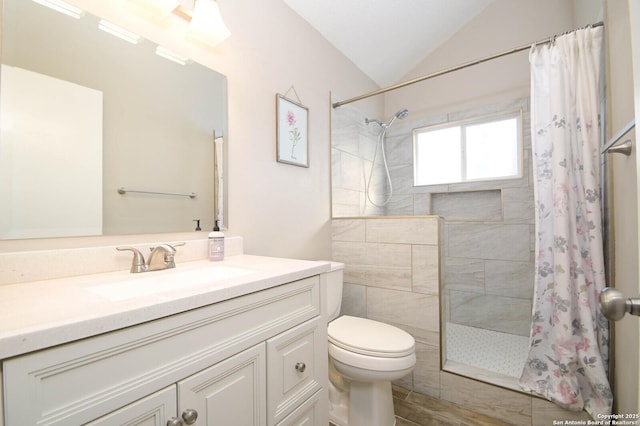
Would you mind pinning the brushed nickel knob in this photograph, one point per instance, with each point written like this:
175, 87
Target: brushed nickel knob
174, 421
614, 304
189, 416
300, 367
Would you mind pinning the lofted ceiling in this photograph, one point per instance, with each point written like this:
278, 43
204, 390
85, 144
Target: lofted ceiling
387, 38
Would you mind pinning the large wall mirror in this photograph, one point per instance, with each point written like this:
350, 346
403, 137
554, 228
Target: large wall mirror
85, 114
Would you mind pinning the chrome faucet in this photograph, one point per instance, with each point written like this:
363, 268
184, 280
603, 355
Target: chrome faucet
161, 257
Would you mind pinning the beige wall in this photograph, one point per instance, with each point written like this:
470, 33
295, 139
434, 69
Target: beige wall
503, 25
280, 210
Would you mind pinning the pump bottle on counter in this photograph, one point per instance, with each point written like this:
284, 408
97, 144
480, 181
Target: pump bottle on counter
216, 244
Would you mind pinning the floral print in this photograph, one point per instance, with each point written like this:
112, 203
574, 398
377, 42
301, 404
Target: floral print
569, 348
294, 132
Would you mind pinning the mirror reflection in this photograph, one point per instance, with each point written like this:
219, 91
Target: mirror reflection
84, 114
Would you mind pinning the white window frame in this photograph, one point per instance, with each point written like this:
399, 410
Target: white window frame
463, 154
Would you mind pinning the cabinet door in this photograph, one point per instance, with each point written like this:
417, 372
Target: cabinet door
232, 392
297, 367
153, 410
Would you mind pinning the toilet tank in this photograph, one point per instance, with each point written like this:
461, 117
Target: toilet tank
334, 290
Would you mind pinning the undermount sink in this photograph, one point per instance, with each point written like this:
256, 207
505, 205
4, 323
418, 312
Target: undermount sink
167, 280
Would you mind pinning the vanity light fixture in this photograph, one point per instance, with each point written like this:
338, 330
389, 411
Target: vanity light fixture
170, 55
119, 32
206, 24
62, 7
156, 9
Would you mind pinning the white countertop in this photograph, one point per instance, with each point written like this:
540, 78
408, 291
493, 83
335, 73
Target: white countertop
41, 314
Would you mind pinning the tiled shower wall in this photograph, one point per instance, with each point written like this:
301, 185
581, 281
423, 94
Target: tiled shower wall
391, 275
352, 153
488, 238
488, 226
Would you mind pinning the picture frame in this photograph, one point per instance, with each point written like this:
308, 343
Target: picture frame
292, 132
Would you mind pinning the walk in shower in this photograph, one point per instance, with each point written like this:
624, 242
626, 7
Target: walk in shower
486, 245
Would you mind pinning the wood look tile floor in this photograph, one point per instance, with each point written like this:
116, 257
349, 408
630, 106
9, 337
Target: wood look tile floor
415, 409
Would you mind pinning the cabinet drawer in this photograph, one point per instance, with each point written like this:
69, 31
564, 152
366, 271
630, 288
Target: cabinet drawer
296, 367
152, 410
313, 412
81, 381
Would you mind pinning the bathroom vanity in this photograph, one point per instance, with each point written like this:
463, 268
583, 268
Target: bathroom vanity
238, 342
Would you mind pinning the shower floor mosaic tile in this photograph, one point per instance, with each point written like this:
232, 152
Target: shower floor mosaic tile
490, 350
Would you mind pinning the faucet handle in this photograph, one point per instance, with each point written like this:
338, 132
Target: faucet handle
138, 264
169, 259
172, 246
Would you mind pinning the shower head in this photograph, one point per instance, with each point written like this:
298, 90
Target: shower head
402, 114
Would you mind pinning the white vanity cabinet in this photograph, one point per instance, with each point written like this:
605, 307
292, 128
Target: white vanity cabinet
229, 393
258, 359
150, 411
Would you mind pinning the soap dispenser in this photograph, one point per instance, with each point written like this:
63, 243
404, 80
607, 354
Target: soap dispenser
216, 244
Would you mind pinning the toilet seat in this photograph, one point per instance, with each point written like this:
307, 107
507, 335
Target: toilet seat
376, 364
370, 338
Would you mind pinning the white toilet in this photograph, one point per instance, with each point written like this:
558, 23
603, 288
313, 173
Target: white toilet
364, 357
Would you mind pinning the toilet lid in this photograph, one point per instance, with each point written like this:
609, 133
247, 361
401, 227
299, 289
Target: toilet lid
368, 337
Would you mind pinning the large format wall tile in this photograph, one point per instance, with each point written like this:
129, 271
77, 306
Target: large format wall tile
401, 205
414, 310
375, 264
464, 274
345, 203
510, 279
488, 241
504, 314
384, 255
395, 278
405, 230
468, 205
401, 179
354, 300
347, 229
351, 172
421, 204
518, 205
399, 147
503, 404
425, 269
426, 377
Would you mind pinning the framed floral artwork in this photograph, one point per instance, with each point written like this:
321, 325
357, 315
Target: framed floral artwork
292, 132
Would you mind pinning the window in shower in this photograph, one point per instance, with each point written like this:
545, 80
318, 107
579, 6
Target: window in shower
474, 150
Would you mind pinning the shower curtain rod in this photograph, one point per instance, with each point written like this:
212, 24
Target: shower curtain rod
456, 68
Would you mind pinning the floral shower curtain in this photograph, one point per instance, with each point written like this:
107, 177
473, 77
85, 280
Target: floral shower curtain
568, 353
